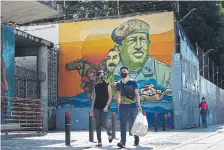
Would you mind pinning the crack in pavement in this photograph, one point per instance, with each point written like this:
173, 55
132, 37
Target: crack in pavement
194, 140
215, 144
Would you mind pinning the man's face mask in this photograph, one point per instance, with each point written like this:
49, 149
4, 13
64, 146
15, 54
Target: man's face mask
101, 76
124, 73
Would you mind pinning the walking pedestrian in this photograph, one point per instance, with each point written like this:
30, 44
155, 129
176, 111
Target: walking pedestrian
127, 94
102, 95
204, 111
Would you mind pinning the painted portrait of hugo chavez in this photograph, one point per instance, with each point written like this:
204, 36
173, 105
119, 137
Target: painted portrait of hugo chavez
131, 49
132, 42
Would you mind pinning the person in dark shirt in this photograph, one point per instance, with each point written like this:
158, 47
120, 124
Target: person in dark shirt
101, 98
128, 100
204, 111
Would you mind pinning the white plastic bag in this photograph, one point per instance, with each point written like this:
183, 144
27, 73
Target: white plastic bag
210, 118
140, 126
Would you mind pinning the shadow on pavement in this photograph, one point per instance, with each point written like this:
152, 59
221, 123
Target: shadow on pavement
41, 144
23, 143
112, 148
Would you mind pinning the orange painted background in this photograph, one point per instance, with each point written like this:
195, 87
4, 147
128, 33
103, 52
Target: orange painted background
92, 40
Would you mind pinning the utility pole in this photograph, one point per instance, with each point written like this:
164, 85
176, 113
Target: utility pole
217, 76
196, 48
64, 10
118, 8
213, 72
192, 10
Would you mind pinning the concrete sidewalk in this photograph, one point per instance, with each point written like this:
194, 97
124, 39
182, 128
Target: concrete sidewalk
211, 138
207, 141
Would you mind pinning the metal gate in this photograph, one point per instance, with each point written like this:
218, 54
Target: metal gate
190, 93
189, 88
52, 77
27, 83
25, 111
52, 87
21, 115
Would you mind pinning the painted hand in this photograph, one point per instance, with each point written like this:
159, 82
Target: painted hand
156, 97
168, 91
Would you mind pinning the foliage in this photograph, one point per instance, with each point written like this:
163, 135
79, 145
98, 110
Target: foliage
87, 9
204, 26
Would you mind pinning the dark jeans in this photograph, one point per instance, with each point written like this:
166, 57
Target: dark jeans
125, 113
101, 122
204, 119
130, 125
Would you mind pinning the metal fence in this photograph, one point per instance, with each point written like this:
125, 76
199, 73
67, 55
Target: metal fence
52, 77
208, 69
27, 82
52, 87
186, 92
21, 115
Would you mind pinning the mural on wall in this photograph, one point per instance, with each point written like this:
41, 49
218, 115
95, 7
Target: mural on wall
142, 43
7, 64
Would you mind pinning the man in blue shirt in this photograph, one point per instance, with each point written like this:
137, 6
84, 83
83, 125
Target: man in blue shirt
127, 97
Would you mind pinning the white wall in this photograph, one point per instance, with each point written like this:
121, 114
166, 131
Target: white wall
49, 32
222, 104
28, 62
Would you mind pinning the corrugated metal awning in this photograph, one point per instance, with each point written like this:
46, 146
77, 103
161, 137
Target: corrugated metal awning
22, 12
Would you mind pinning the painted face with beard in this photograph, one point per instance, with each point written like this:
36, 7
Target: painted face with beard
113, 60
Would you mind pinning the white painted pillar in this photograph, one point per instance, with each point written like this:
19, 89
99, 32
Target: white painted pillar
178, 80
42, 65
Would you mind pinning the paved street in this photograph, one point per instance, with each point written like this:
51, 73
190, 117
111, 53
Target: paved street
211, 138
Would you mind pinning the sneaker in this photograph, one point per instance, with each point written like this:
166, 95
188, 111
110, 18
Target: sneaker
120, 145
130, 134
99, 145
206, 126
136, 143
110, 138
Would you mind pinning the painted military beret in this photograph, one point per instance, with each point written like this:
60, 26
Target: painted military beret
128, 27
